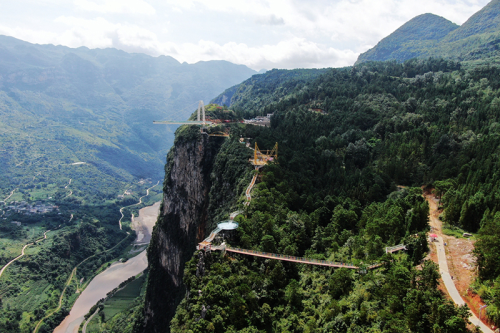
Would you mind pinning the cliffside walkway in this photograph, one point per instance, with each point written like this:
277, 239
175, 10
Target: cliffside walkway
393, 249
284, 257
249, 188
206, 244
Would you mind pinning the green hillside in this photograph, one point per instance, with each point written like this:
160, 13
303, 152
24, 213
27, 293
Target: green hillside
261, 90
412, 40
333, 196
96, 106
77, 136
429, 35
485, 21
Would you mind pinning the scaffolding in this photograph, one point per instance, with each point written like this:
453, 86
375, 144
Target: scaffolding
263, 157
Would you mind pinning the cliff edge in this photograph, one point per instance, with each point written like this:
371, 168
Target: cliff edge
182, 221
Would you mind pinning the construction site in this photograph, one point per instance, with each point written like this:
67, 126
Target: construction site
260, 159
218, 238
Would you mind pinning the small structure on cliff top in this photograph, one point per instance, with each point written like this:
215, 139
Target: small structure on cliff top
262, 157
206, 244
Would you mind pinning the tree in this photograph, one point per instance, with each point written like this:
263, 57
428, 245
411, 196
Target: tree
487, 249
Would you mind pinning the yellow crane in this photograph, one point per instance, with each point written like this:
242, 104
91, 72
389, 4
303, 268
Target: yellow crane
262, 157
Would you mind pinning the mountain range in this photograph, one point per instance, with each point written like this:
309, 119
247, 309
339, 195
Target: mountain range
429, 35
61, 105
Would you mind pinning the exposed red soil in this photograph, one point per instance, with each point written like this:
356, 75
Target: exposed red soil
460, 257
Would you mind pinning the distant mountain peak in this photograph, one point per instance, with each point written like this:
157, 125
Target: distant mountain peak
431, 35
426, 27
487, 20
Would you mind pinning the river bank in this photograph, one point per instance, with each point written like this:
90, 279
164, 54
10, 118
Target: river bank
113, 275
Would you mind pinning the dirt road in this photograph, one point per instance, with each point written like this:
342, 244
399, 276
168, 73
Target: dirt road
140, 201
22, 252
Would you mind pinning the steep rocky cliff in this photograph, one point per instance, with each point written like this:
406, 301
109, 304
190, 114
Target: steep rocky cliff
181, 224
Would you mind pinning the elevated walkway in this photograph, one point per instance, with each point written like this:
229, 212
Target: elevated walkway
393, 249
283, 257
234, 214
206, 244
249, 189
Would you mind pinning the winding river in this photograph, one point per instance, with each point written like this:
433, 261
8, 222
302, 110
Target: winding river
113, 275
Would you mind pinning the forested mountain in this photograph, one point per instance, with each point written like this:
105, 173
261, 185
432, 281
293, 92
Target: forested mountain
414, 39
261, 90
77, 148
430, 35
60, 105
355, 147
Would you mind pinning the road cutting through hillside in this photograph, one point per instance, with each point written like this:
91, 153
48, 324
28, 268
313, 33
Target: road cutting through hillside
22, 252
110, 278
448, 281
11, 193
140, 201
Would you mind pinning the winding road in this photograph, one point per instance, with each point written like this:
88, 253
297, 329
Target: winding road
22, 252
73, 272
70, 191
84, 329
443, 265
140, 201
11, 193
10, 262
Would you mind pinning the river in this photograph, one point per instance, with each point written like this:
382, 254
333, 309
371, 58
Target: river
113, 275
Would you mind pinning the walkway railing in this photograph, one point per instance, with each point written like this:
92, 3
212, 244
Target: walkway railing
392, 249
206, 245
249, 189
291, 258
284, 257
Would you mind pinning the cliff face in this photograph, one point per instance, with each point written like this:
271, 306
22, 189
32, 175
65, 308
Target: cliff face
181, 224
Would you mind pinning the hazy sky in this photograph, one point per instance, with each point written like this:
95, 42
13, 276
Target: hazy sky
258, 33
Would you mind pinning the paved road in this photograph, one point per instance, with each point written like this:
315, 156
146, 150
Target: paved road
450, 285
11, 193
84, 329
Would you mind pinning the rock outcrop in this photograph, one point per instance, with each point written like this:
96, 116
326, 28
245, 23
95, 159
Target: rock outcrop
181, 224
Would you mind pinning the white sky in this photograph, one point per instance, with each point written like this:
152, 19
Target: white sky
257, 33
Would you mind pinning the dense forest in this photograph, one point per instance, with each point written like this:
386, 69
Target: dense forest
355, 147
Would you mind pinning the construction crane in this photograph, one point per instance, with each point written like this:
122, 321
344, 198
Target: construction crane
262, 157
